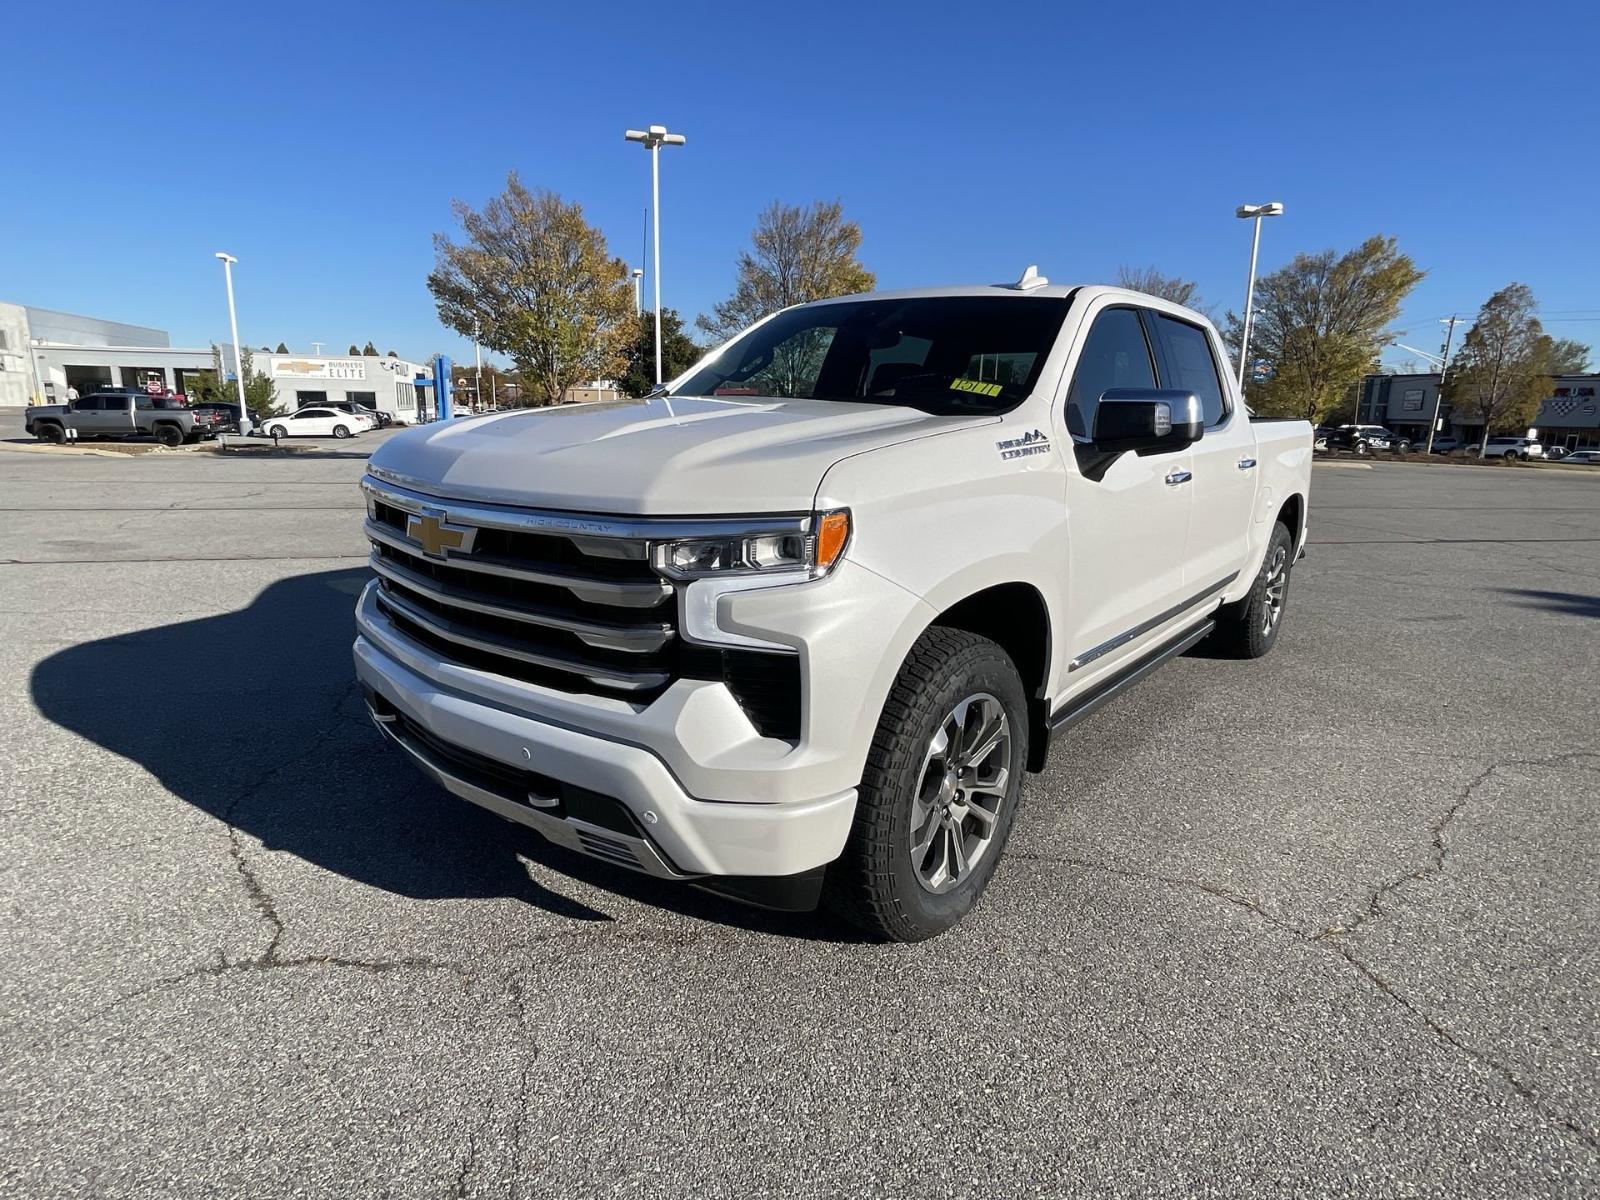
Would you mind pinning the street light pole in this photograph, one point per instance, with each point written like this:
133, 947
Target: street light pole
1255, 211
233, 324
477, 374
1438, 394
653, 139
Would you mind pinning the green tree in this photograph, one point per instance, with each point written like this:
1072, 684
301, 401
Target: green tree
1568, 356
353, 352
391, 354
796, 255
369, 350
1500, 373
1153, 283
1320, 323
260, 393
282, 349
533, 280
678, 352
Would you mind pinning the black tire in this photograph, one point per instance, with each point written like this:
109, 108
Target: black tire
169, 435
874, 884
277, 431
50, 432
341, 431
1243, 630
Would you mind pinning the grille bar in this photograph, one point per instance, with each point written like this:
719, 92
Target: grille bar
618, 678
589, 588
639, 639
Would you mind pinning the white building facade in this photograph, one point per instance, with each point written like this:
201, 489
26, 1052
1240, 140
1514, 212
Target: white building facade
381, 383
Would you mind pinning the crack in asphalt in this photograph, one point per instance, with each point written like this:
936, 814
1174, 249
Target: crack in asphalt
1329, 938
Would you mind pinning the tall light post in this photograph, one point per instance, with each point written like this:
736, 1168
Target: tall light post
233, 324
1249, 212
653, 139
638, 293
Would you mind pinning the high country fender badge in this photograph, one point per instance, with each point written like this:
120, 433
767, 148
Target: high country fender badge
1032, 442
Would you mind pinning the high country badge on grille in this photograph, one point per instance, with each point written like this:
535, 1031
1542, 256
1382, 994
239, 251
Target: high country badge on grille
436, 537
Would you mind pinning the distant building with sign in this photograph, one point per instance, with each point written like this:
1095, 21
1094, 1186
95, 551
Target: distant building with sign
1403, 403
43, 353
385, 384
1570, 415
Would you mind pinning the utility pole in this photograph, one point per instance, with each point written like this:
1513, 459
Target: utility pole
1438, 395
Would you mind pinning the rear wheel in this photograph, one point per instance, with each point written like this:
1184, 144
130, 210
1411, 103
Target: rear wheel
341, 431
1249, 627
169, 435
939, 793
50, 432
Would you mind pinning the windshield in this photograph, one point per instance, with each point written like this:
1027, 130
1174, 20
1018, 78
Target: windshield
943, 354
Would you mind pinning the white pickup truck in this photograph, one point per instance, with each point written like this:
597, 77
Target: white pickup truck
794, 628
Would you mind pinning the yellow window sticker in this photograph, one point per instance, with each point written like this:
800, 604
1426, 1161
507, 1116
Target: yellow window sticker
974, 385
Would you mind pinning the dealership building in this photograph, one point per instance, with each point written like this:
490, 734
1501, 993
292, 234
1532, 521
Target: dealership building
1570, 415
43, 353
385, 384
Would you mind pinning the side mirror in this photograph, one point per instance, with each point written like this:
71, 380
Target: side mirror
1147, 420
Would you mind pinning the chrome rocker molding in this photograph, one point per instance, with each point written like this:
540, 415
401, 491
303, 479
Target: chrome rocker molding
1144, 627
1077, 709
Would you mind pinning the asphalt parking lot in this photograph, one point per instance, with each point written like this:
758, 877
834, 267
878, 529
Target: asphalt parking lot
1321, 924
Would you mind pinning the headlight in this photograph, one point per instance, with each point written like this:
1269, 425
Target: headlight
813, 552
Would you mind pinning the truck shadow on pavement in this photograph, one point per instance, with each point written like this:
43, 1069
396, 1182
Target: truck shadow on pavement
1572, 604
254, 717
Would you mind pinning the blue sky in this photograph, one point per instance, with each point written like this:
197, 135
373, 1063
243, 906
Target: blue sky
318, 145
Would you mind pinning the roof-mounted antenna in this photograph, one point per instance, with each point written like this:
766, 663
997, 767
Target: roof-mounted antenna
1030, 279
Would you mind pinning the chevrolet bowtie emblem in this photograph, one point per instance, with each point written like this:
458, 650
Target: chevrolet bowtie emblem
436, 537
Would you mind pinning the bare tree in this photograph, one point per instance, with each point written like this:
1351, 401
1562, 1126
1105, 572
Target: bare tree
796, 255
1499, 375
1153, 283
535, 281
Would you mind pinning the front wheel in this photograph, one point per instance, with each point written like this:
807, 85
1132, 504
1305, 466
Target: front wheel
939, 793
277, 431
1249, 627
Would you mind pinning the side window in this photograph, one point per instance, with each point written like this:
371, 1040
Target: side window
145, 402
87, 404
1115, 355
1189, 357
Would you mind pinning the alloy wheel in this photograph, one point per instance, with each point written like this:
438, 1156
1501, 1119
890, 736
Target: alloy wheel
965, 775
1277, 588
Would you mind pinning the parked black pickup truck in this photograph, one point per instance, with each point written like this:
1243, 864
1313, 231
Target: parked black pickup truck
121, 415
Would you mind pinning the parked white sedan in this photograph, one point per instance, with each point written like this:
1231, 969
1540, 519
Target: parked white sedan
317, 422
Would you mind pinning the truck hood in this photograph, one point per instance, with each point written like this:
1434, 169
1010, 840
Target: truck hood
666, 456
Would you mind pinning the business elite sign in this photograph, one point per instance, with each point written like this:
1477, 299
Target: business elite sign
318, 368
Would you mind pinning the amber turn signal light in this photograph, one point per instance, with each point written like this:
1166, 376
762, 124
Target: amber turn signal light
833, 531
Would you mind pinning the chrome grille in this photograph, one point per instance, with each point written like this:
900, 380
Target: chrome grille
558, 600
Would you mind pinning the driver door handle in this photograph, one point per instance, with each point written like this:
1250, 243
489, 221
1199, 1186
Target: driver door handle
1174, 478
1246, 463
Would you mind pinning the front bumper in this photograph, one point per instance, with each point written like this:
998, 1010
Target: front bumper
553, 778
